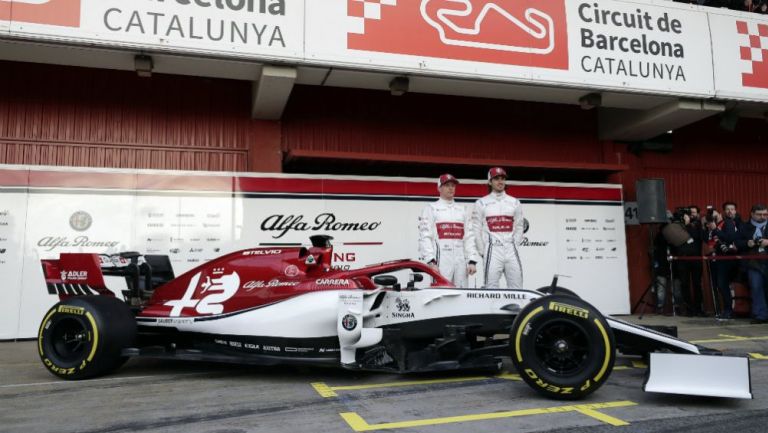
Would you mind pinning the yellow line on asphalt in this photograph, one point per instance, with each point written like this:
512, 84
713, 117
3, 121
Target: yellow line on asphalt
358, 424
727, 338
327, 391
330, 391
758, 356
603, 417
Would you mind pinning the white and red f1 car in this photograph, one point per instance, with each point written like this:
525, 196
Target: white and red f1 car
267, 306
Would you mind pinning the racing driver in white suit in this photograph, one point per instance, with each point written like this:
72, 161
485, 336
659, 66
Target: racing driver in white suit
498, 225
446, 241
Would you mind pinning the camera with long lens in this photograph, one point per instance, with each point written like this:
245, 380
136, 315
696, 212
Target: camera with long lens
679, 213
709, 217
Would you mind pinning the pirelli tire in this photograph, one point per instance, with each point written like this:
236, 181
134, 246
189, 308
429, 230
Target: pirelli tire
562, 347
82, 337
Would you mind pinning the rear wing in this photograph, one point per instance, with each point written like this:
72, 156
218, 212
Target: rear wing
75, 274
80, 274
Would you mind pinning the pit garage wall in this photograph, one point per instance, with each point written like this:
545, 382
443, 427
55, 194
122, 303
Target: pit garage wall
100, 118
574, 230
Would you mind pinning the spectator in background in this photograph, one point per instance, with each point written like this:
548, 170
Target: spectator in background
721, 233
695, 269
685, 242
756, 6
753, 240
662, 283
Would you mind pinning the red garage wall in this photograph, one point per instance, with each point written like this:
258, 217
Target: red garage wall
56, 115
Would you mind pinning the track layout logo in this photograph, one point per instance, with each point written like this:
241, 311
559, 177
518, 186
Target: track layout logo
50, 12
754, 49
506, 32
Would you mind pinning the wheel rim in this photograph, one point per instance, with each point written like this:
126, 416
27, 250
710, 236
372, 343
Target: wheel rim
562, 347
69, 339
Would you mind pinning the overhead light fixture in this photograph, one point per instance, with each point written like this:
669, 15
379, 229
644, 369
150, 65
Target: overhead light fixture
143, 65
590, 101
729, 119
399, 86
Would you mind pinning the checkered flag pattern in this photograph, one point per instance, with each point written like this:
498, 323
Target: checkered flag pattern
359, 11
753, 49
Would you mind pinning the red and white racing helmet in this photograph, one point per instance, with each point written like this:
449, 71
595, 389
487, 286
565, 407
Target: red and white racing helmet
496, 171
445, 178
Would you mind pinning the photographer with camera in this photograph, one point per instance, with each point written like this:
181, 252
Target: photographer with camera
684, 239
753, 240
722, 230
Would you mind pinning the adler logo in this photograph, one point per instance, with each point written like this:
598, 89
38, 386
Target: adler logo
503, 32
64, 13
74, 275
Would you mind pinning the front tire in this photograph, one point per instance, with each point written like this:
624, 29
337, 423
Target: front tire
562, 347
82, 337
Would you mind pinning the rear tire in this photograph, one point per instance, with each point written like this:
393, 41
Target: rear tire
82, 337
562, 347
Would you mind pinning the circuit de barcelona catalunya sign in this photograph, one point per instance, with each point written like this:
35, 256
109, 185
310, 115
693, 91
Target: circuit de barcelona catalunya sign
654, 47
242, 27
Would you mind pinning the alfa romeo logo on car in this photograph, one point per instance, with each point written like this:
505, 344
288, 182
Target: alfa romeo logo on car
80, 221
349, 322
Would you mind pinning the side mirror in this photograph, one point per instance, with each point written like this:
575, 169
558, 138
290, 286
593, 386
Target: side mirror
415, 278
385, 280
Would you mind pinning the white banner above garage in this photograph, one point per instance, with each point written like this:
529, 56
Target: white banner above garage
606, 45
653, 46
268, 29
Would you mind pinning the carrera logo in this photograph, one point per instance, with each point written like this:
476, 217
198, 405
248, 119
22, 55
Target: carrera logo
50, 12
506, 32
754, 49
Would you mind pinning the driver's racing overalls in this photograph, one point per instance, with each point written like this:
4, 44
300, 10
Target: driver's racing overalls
497, 223
446, 238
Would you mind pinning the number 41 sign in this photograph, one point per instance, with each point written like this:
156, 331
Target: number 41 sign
630, 213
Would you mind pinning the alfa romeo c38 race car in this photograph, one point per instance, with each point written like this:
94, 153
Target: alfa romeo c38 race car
268, 306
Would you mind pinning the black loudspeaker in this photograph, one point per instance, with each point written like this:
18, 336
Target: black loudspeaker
651, 201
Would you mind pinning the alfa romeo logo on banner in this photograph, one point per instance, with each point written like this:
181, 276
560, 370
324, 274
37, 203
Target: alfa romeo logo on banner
80, 221
52, 12
514, 33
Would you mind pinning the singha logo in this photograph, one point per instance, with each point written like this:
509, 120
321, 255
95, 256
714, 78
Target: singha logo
402, 305
403, 309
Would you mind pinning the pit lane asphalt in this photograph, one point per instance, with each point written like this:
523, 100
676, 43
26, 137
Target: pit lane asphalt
165, 396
